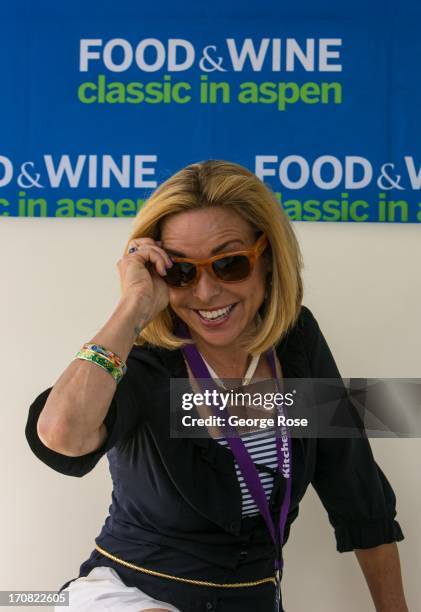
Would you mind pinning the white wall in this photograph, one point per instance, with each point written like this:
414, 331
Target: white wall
60, 284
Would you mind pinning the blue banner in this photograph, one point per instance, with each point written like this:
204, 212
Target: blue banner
104, 101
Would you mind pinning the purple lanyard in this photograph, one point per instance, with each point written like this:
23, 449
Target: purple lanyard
244, 461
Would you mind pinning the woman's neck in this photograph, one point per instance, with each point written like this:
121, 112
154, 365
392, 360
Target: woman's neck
227, 362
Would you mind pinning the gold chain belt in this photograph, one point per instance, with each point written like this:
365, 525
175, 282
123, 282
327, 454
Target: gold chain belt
234, 585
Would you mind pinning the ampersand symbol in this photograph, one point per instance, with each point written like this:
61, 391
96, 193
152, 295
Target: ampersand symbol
392, 183
30, 180
212, 64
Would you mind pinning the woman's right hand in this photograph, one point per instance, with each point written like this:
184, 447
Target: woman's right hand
141, 273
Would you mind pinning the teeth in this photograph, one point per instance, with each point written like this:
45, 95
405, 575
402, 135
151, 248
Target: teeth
214, 314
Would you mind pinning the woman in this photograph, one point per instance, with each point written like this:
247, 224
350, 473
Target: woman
210, 288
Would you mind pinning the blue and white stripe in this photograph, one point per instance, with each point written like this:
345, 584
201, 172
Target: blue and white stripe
261, 446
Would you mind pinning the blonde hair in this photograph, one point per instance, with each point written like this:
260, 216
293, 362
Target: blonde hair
218, 183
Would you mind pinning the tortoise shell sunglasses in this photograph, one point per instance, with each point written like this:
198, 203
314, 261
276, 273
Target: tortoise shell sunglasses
232, 267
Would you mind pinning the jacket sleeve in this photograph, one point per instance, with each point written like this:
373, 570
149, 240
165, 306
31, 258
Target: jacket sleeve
123, 417
357, 496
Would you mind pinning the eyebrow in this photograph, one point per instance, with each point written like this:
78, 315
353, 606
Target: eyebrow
213, 252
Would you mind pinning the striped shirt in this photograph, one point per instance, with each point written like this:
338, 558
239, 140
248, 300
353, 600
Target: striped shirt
261, 446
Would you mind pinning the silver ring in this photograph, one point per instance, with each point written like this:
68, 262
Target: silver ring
132, 249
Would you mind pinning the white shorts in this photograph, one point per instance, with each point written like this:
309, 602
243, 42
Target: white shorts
102, 590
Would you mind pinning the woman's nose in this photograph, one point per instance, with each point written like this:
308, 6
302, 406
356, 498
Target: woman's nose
207, 287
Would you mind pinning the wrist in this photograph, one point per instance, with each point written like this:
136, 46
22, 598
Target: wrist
138, 307
119, 333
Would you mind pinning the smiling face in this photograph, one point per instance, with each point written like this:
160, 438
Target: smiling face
201, 234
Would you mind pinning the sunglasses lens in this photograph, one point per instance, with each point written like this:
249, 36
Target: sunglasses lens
181, 274
233, 268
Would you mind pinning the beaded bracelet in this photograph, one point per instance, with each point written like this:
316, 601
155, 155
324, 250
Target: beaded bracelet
104, 358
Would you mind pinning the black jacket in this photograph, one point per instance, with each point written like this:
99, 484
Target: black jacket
176, 503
